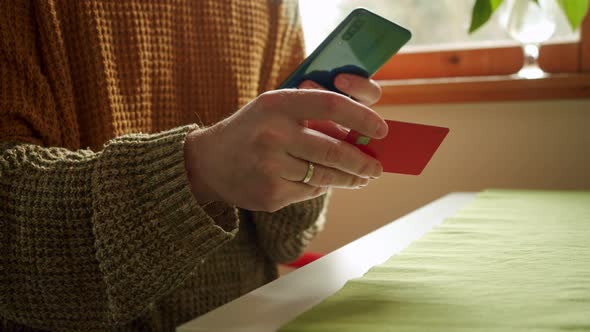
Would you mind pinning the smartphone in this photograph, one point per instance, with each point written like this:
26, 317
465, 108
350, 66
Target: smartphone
360, 45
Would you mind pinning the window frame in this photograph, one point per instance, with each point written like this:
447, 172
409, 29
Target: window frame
485, 74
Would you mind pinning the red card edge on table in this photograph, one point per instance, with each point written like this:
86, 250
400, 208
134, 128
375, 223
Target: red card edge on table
407, 148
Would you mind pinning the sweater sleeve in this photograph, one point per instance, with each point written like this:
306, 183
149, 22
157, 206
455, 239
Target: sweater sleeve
87, 239
96, 238
285, 234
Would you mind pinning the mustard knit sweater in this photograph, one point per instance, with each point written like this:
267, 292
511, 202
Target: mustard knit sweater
98, 227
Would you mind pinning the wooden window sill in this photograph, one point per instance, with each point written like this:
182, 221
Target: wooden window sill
485, 88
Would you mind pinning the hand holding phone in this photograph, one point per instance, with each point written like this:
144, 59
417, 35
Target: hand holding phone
360, 45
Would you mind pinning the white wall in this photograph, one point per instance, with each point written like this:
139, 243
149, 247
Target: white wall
540, 145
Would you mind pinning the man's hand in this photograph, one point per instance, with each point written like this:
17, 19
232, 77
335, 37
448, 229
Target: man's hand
256, 158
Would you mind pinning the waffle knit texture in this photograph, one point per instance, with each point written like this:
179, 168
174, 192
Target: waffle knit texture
98, 226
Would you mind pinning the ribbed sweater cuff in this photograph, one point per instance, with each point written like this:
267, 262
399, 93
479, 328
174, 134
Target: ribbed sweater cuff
286, 233
151, 232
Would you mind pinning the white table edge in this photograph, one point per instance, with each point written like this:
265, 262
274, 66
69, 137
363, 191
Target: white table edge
273, 305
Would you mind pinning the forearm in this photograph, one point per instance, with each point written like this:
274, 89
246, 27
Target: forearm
90, 239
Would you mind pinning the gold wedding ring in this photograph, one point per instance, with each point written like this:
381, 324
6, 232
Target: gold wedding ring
309, 173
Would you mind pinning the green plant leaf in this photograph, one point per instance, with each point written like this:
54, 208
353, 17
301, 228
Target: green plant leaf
574, 10
495, 4
481, 13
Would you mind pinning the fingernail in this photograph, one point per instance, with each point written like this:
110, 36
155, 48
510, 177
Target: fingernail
343, 82
382, 129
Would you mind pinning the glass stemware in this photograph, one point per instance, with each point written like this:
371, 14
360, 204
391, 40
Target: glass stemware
531, 23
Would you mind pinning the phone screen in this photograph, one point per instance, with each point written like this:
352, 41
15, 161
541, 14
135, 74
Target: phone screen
360, 45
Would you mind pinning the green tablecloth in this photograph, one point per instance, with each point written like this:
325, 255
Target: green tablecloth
510, 260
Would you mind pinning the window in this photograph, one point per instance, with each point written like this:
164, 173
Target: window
442, 48
435, 25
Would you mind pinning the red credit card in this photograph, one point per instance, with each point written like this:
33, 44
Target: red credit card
406, 149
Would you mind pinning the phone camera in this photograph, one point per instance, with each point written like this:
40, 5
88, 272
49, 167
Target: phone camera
354, 28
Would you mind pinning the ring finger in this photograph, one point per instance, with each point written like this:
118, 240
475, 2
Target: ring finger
297, 169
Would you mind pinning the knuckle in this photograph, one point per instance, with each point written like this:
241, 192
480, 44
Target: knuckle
367, 119
325, 177
364, 169
268, 139
356, 181
272, 99
333, 154
333, 101
267, 96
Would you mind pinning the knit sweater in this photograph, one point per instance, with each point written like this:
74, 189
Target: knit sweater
98, 226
